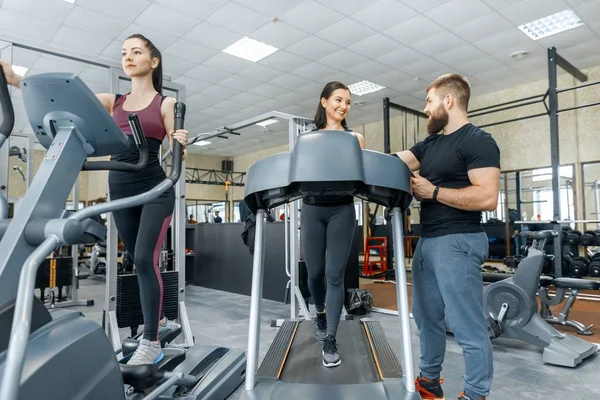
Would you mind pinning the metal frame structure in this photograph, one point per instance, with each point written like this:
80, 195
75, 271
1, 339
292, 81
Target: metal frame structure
387, 106
552, 111
296, 125
73, 292
213, 177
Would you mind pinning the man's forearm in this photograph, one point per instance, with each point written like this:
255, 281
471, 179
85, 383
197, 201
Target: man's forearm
470, 198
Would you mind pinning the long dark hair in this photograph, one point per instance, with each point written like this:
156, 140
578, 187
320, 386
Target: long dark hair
157, 73
321, 115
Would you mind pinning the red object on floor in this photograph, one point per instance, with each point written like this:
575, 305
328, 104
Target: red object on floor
375, 243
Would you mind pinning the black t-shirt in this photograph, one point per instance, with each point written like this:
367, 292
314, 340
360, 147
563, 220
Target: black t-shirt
445, 161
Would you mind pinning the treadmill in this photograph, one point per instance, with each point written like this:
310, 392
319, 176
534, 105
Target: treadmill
329, 163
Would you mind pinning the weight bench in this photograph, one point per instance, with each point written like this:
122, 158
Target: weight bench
573, 285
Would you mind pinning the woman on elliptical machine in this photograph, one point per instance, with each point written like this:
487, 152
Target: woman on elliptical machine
143, 228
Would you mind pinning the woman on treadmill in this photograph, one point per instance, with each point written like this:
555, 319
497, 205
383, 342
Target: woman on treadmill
142, 229
327, 229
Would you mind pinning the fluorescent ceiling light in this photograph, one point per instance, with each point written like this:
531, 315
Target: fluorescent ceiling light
70, 1
268, 122
552, 24
364, 87
20, 70
202, 143
250, 49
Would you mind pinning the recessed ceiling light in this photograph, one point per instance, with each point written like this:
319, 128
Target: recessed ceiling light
250, 49
364, 87
20, 70
202, 143
70, 1
268, 122
552, 24
519, 54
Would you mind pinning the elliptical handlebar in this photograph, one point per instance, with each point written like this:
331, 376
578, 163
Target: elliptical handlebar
7, 115
153, 193
177, 149
140, 142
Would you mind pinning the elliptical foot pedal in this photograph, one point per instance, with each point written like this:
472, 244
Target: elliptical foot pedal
143, 377
130, 345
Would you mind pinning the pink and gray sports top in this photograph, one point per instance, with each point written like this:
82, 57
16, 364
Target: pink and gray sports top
153, 126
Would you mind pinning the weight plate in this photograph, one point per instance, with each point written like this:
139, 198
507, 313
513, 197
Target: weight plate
520, 307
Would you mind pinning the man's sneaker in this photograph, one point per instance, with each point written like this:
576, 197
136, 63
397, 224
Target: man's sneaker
331, 358
430, 389
146, 353
321, 324
463, 396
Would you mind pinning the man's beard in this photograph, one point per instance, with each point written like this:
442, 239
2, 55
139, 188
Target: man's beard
439, 119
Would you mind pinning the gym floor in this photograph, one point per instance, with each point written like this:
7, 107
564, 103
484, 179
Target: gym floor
222, 318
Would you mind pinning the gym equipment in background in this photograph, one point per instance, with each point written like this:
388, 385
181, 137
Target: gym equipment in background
512, 308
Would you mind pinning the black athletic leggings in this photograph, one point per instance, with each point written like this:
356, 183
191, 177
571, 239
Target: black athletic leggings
142, 230
327, 234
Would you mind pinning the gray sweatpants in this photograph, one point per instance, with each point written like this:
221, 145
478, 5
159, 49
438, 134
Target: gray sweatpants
447, 283
327, 234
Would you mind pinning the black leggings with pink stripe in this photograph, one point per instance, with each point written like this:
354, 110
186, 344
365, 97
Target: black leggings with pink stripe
142, 230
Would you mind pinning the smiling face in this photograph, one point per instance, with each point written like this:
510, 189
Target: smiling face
337, 106
137, 59
434, 109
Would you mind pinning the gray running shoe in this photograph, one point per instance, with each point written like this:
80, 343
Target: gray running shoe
331, 358
146, 353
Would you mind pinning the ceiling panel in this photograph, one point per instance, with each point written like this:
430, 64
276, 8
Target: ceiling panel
278, 34
381, 14
457, 12
237, 18
413, 30
400, 44
345, 32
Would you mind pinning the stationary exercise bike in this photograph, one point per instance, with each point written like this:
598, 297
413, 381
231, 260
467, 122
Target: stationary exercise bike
511, 307
47, 354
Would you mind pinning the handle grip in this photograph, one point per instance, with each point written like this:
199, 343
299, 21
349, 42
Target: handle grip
140, 142
179, 110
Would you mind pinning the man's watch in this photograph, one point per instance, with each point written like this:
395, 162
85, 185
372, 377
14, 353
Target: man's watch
435, 193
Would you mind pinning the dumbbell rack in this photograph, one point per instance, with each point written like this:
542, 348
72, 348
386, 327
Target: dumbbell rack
558, 245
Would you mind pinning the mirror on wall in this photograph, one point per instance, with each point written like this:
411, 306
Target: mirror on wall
536, 196
590, 173
205, 211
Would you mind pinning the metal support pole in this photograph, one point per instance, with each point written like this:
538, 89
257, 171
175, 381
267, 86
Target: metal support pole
386, 126
6, 54
402, 299
508, 231
554, 151
255, 301
518, 193
30, 160
293, 255
597, 200
387, 150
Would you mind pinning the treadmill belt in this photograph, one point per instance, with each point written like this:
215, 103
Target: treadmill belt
305, 361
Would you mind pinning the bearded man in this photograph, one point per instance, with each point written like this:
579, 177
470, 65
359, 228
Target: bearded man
459, 177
